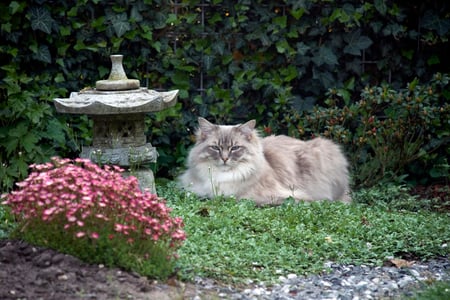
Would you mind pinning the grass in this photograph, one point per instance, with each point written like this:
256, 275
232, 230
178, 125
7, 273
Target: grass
236, 242
437, 291
7, 222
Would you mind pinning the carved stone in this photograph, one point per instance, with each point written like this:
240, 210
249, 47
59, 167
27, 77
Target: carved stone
118, 107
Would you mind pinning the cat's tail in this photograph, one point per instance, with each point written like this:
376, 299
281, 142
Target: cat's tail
346, 197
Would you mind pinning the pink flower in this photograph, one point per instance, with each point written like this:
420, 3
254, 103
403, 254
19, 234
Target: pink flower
118, 227
49, 211
78, 192
80, 234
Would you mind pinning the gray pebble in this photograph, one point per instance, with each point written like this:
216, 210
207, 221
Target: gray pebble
347, 282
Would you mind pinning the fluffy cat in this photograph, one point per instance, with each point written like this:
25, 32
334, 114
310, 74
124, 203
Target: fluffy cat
233, 160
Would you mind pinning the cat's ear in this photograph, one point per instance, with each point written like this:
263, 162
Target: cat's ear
247, 129
204, 128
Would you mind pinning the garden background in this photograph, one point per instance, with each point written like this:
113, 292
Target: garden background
371, 75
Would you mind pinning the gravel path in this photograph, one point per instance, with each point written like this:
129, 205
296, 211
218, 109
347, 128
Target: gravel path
346, 282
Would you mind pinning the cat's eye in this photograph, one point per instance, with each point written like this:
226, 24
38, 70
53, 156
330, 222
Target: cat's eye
235, 148
214, 147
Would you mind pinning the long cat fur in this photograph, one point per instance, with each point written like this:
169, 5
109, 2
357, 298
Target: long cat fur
233, 160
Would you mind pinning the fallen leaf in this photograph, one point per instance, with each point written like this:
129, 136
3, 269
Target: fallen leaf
399, 263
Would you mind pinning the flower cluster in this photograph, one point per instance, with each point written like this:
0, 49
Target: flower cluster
87, 200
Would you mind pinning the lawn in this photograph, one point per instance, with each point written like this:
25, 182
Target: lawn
236, 242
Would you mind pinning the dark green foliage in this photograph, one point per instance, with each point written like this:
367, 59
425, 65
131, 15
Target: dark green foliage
388, 133
231, 60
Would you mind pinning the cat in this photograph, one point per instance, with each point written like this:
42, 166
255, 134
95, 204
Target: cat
233, 160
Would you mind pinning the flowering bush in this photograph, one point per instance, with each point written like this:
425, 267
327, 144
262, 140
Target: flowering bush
95, 213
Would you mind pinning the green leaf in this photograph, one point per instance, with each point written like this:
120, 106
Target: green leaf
297, 13
6, 27
59, 78
98, 23
159, 20
43, 54
14, 7
198, 99
280, 21
157, 46
350, 84
29, 141
289, 73
433, 60
72, 12
120, 24
11, 145
19, 130
325, 56
302, 48
55, 131
64, 30
219, 47
356, 43
135, 15
380, 6
41, 19
408, 53
181, 80
432, 21
282, 46
207, 61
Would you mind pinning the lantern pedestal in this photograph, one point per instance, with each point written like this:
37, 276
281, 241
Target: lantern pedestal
118, 107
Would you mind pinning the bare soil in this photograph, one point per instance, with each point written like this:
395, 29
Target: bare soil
28, 272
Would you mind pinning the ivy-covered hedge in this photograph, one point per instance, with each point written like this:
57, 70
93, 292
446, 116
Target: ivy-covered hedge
231, 60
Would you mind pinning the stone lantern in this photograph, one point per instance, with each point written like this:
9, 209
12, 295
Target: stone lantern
118, 107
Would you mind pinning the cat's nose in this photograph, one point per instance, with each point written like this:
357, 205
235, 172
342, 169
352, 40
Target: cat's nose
225, 159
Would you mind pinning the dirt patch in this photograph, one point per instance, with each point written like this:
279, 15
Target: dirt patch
28, 272
439, 192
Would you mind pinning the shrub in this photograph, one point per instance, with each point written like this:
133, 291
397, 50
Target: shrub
94, 213
388, 132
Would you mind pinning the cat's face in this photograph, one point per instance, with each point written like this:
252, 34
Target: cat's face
225, 146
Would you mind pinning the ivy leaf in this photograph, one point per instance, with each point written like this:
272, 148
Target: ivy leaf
15, 7
159, 20
302, 48
325, 56
297, 13
282, 46
120, 24
41, 19
280, 21
356, 43
43, 54
135, 14
433, 22
326, 79
207, 61
381, 6
219, 47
